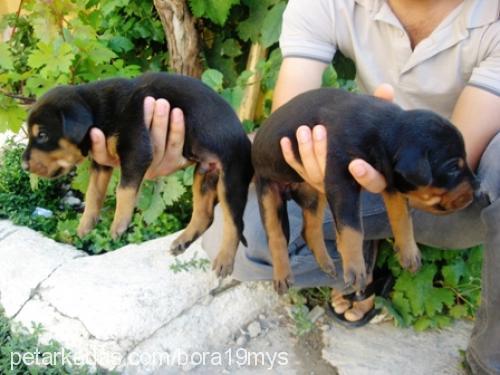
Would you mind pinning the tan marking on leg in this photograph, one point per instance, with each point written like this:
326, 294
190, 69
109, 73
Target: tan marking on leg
282, 273
313, 235
223, 264
111, 146
125, 203
202, 216
402, 229
94, 198
350, 247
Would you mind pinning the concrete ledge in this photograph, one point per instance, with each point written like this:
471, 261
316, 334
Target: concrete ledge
119, 310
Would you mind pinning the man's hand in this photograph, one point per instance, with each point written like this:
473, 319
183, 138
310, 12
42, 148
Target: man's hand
167, 137
313, 150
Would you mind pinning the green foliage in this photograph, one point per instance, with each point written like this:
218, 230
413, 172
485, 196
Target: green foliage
447, 287
69, 41
20, 195
194, 263
299, 312
215, 10
16, 339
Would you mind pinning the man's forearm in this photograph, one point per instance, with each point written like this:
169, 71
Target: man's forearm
296, 76
477, 115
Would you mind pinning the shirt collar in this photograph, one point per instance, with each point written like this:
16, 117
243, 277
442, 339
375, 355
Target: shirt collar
477, 13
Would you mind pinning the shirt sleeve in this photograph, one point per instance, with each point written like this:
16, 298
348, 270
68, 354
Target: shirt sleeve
307, 30
486, 75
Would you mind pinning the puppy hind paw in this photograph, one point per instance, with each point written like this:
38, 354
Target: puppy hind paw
223, 266
85, 226
117, 229
410, 262
329, 268
178, 247
281, 286
355, 278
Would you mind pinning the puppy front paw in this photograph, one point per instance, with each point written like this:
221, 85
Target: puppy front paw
409, 257
328, 267
223, 265
87, 223
118, 228
355, 274
282, 281
178, 247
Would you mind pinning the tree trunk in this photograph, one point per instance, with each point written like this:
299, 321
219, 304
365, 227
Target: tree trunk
182, 37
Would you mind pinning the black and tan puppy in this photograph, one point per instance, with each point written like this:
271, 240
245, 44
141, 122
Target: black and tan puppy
420, 154
59, 125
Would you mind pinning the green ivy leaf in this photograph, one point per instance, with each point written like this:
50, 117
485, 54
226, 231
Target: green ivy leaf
422, 324
453, 272
213, 78
157, 205
6, 60
81, 180
251, 28
417, 287
436, 298
231, 48
402, 306
121, 44
271, 27
54, 58
458, 311
215, 10
12, 115
173, 189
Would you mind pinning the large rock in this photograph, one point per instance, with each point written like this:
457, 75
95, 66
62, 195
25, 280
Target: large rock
385, 349
110, 309
27, 258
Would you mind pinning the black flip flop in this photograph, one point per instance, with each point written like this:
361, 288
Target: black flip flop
381, 286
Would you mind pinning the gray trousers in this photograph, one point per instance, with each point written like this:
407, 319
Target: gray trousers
478, 223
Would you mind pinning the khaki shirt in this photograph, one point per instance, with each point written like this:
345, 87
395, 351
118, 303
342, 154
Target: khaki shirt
463, 50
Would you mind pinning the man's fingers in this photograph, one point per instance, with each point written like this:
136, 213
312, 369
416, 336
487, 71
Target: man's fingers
385, 91
99, 149
286, 149
175, 142
308, 156
149, 107
320, 147
159, 129
367, 176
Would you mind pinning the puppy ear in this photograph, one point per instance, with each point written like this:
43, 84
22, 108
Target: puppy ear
77, 120
413, 165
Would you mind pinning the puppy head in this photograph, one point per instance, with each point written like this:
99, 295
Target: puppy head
430, 166
57, 127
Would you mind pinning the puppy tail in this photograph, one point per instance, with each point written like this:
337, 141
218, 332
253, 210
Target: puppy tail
237, 176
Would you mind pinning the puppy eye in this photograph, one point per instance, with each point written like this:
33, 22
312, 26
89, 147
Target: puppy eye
42, 137
454, 172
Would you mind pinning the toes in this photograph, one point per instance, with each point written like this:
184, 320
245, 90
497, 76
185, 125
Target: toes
117, 229
411, 262
223, 267
282, 286
330, 269
356, 279
179, 247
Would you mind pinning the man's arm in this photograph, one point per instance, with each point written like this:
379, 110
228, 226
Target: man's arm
477, 115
